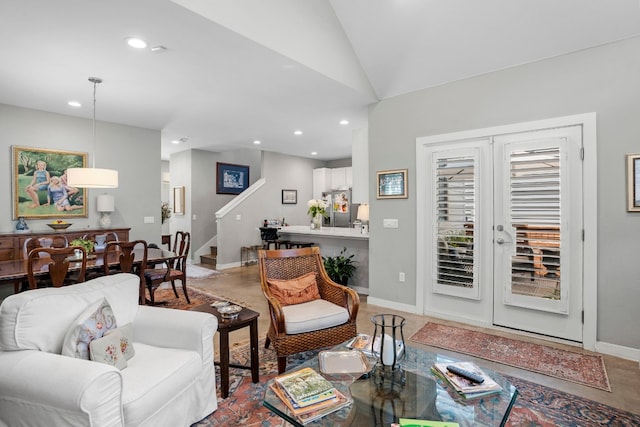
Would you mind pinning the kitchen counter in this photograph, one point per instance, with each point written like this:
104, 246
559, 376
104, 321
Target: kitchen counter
340, 232
332, 240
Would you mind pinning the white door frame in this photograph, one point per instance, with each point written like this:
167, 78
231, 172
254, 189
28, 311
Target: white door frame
590, 199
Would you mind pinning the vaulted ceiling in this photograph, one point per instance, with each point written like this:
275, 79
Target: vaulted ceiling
235, 71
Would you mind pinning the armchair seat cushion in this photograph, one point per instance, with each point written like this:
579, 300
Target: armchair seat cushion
313, 315
156, 374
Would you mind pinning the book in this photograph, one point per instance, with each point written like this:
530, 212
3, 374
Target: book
409, 422
310, 404
340, 402
313, 412
304, 386
362, 342
463, 386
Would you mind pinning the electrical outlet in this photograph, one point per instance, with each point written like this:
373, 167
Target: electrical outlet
238, 217
194, 217
401, 277
149, 220
389, 223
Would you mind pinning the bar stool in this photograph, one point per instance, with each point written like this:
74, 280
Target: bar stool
269, 236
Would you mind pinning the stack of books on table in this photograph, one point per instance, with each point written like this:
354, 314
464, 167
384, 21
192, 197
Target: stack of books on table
308, 395
371, 347
468, 389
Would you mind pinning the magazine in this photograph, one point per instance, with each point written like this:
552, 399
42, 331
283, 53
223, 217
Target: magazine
304, 386
464, 386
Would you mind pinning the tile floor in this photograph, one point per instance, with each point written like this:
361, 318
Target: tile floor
243, 285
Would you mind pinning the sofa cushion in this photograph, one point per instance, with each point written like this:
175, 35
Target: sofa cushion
107, 350
90, 325
295, 291
313, 315
39, 319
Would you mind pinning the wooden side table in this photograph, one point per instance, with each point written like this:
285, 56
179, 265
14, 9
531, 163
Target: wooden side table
245, 318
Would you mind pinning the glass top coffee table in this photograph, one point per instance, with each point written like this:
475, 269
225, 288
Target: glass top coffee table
422, 396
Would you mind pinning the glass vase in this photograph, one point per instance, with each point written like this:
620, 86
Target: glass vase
316, 221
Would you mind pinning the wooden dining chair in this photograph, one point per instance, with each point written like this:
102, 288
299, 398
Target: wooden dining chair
125, 253
175, 269
57, 265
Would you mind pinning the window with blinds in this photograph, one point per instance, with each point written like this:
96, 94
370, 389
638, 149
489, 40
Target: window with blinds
535, 217
455, 194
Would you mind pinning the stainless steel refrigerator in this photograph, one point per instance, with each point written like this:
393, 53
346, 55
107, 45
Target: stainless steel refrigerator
341, 212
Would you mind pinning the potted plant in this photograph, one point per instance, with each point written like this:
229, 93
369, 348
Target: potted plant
340, 267
85, 243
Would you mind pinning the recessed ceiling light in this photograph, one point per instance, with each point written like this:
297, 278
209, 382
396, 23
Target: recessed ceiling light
75, 104
175, 141
257, 142
314, 153
137, 43
344, 122
298, 132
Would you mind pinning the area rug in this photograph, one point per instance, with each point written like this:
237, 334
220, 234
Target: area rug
197, 272
585, 369
167, 298
536, 404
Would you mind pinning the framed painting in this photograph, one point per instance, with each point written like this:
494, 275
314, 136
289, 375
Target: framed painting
178, 200
289, 197
392, 184
633, 182
231, 179
40, 187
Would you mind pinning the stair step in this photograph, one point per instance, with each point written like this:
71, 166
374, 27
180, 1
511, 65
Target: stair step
208, 259
214, 250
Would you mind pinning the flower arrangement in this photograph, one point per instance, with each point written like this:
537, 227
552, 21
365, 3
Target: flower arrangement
166, 211
317, 206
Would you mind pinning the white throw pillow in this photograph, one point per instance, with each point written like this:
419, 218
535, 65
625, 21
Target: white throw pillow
126, 339
107, 350
90, 325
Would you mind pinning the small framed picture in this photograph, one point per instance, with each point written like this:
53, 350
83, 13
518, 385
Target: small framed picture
633, 182
231, 179
289, 197
392, 184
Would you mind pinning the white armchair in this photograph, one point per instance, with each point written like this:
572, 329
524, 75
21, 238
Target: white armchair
170, 381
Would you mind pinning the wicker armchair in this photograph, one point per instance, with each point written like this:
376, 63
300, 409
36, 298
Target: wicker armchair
290, 264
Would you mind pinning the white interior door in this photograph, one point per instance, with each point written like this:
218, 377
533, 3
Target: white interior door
538, 232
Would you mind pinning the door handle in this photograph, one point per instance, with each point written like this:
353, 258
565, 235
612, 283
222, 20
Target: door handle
500, 241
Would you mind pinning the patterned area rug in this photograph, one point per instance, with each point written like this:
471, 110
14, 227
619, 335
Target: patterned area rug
197, 272
536, 404
167, 298
585, 369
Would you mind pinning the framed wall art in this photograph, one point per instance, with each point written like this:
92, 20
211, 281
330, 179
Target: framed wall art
633, 182
40, 187
289, 197
231, 179
392, 184
178, 200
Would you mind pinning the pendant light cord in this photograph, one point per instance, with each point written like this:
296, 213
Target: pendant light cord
95, 81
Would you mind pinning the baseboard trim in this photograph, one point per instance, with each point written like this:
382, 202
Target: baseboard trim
618, 351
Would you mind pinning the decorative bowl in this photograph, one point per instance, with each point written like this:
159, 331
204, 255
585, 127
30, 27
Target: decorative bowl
218, 304
61, 226
229, 311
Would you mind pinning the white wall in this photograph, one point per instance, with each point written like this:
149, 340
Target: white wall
280, 172
134, 152
603, 80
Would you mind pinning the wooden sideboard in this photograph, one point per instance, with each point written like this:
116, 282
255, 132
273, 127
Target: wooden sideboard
11, 244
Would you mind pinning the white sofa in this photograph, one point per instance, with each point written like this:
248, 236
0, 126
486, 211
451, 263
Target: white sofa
170, 381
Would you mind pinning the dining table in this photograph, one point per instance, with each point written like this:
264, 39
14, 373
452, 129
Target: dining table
15, 271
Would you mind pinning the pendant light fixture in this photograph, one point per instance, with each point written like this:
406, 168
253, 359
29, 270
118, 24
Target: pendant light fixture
93, 177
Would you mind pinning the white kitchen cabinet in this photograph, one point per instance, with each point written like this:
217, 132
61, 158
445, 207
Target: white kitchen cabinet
321, 181
341, 178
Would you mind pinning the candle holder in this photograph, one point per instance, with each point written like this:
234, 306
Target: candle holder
388, 340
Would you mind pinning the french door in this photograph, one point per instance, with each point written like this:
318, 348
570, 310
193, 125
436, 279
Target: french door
505, 243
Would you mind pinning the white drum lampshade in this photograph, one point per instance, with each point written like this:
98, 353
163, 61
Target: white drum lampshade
106, 204
92, 178
363, 215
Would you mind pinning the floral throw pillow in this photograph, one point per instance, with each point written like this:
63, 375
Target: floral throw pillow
107, 350
126, 340
295, 291
90, 325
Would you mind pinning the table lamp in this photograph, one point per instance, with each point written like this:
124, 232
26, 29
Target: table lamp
106, 205
363, 215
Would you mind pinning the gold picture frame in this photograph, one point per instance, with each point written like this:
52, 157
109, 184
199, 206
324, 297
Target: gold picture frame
392, 184
178, 200
633, 182
34, 169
